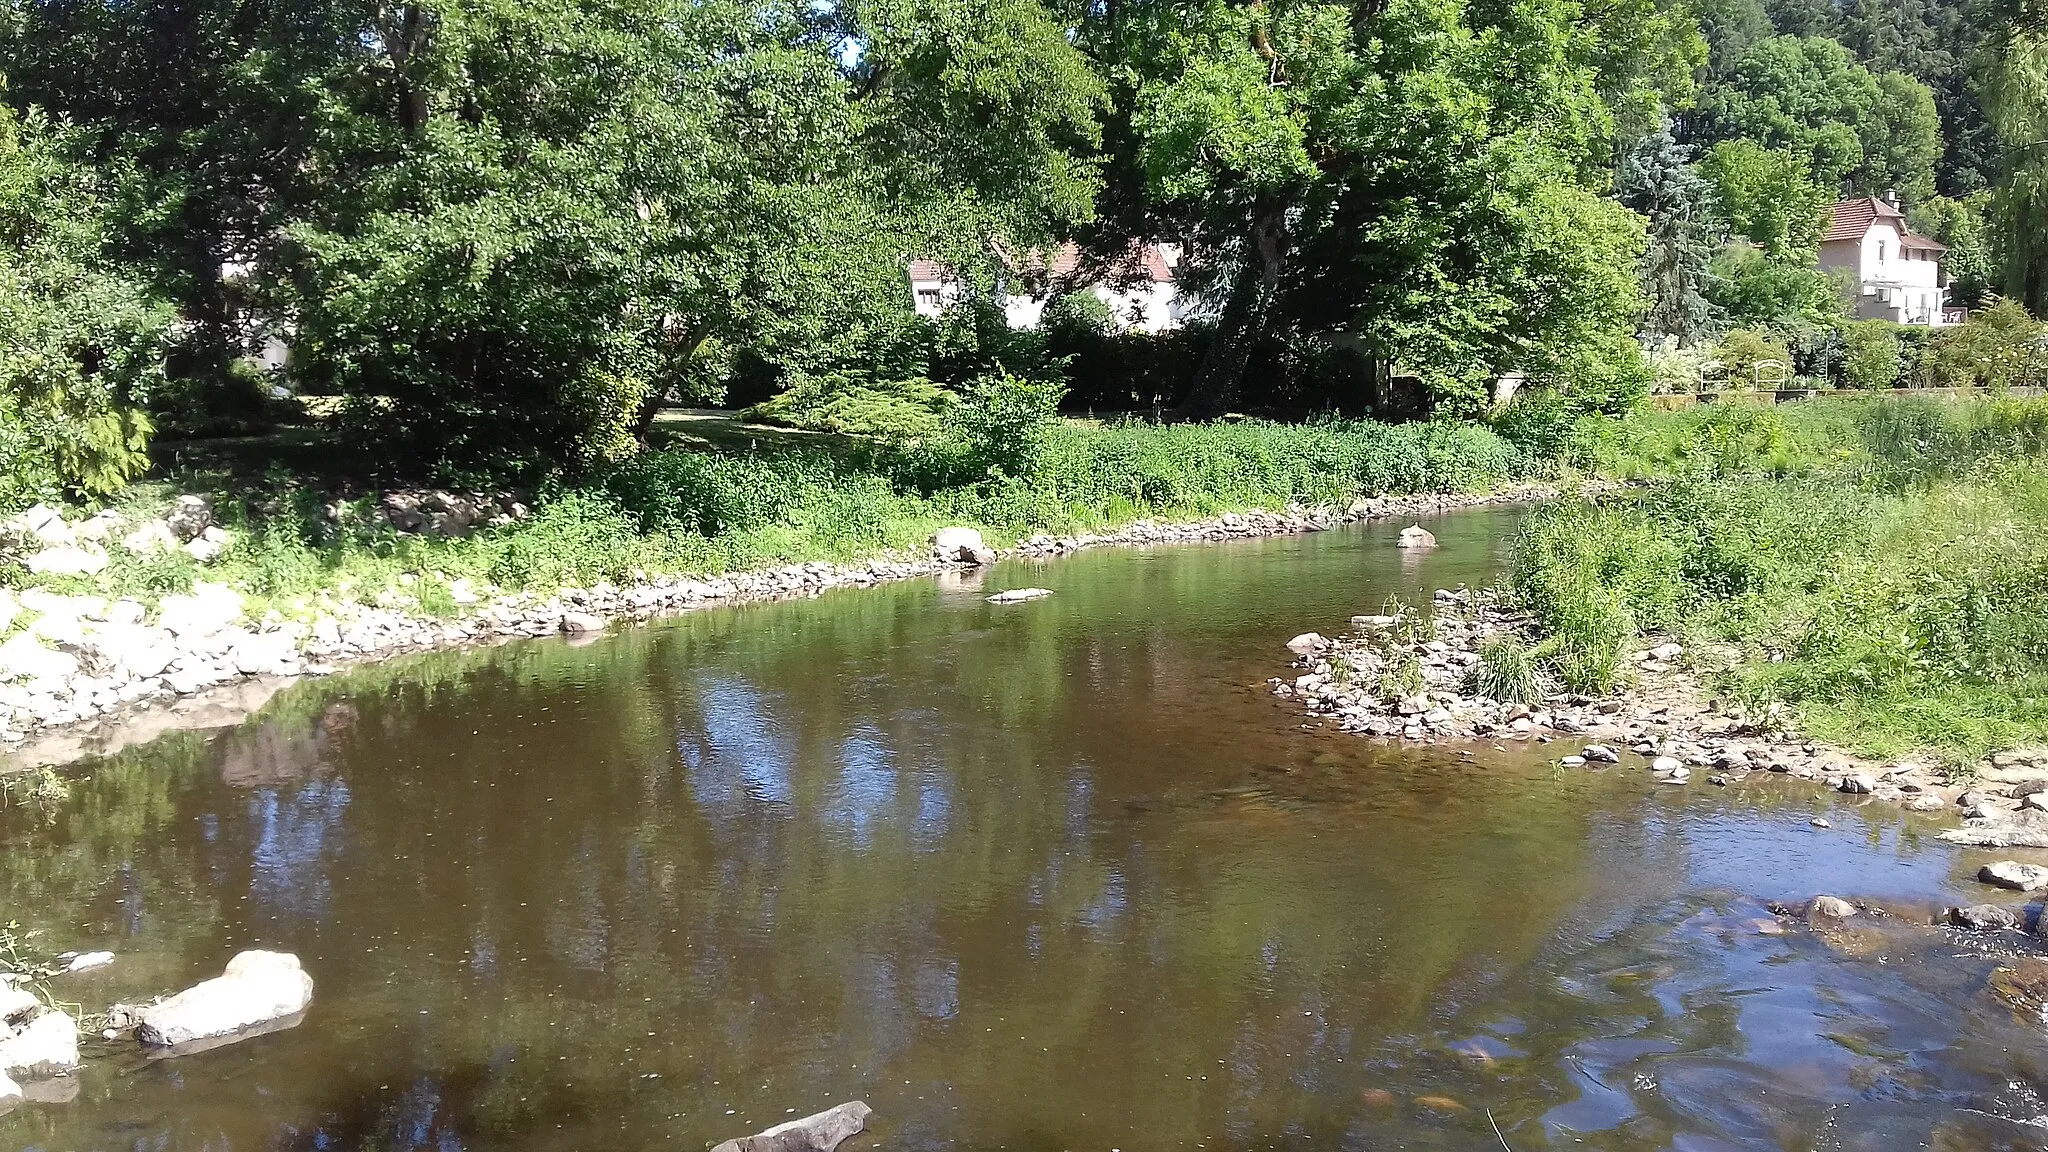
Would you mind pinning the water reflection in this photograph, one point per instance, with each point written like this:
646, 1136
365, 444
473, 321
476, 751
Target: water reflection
1055, 877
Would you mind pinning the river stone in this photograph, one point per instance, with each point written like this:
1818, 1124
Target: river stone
71, 561
86, 961
578, 622
264, 654
16, 1003
950, 544
152, 537
23, 657
257, 988
207, 610
1859, 784
820, 1133
209, 544
1416, 536
2014, 875
1019, 595
1600, 754
45, 1046
1306, 643
1831, 908
1983, 917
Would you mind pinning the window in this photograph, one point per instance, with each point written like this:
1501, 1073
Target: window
1880, 251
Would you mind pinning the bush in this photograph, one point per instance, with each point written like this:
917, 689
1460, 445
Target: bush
882, 409
1871, 355
1756, 290
1998, 347
1752, 359
81, 341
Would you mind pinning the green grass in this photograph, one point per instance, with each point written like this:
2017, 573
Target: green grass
686, 510
1883, 567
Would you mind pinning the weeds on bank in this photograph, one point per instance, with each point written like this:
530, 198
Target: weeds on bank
1890, 618
682, 510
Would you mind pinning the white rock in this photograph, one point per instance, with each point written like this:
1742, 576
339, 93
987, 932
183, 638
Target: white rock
264, 654
580, 622
153, 536
1306, 643
1416, 536
960, 544
23, 657
1019, 595
89, 960
209, 608
10, 1092
45, 1046
2014, 875
1600, 754
67, 561
16, 1003
209, 544
257, 988
41, 523
1665, 765
188, 518
820, 1133
126, 612
1858, 784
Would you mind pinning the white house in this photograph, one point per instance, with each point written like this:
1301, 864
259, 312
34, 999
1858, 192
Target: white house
1896, 272
1139, 290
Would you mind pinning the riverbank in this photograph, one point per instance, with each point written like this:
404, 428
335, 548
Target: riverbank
1851, 595
219, 667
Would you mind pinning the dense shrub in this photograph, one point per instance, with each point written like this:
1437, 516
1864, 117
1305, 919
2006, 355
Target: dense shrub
1752, 359
1998, 347
81, 341
1871, 356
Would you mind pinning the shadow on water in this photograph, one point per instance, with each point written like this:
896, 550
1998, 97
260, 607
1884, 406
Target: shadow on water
1058, 875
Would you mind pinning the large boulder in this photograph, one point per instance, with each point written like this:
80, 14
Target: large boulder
961, 544
45, 1046
820, 1133
2014, 875
257, 989
1416, 536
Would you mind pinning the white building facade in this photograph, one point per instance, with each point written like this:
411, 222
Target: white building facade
1895, 272
1140, 292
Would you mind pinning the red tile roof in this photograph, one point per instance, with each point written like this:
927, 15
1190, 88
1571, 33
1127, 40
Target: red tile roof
1852, 218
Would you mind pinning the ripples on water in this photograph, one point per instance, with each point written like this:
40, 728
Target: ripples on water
1051, 876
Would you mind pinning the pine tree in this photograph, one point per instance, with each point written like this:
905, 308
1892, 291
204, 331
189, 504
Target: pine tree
1659, 181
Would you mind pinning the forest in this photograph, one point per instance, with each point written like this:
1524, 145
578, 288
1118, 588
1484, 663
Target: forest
479, 241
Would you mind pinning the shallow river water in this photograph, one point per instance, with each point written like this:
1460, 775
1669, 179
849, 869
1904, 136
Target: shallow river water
1053, 876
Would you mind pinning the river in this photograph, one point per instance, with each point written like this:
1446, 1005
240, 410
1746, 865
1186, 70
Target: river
1061, 875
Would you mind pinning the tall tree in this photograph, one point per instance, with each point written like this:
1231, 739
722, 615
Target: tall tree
1659, 182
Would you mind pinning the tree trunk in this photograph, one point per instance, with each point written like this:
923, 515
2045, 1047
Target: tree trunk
1246, 316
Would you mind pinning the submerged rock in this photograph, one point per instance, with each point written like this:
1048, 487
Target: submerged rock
1306, 643
2014, 875
820, 1133
1020, 595
45, 1046
258, 988
1416, 536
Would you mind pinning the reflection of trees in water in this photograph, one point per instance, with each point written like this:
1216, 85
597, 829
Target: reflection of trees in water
820, 850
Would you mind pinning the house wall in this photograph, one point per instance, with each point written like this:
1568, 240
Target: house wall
1890, 286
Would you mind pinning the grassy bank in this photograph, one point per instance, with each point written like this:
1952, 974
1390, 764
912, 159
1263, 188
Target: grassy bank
1882, 567
690, 511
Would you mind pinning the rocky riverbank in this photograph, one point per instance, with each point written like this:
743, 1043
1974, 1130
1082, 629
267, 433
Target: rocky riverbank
74, 664
1460, 673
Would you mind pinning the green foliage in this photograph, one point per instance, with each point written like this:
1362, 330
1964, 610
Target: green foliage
1962, 224
883, 409
1756, 290
1768, 197
1506, 672
1874, 359
1901, 621
1658, 181
1752, 359
1997, 347
1855, 128
81, 342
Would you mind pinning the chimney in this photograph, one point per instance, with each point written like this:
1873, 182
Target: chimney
1891, 197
